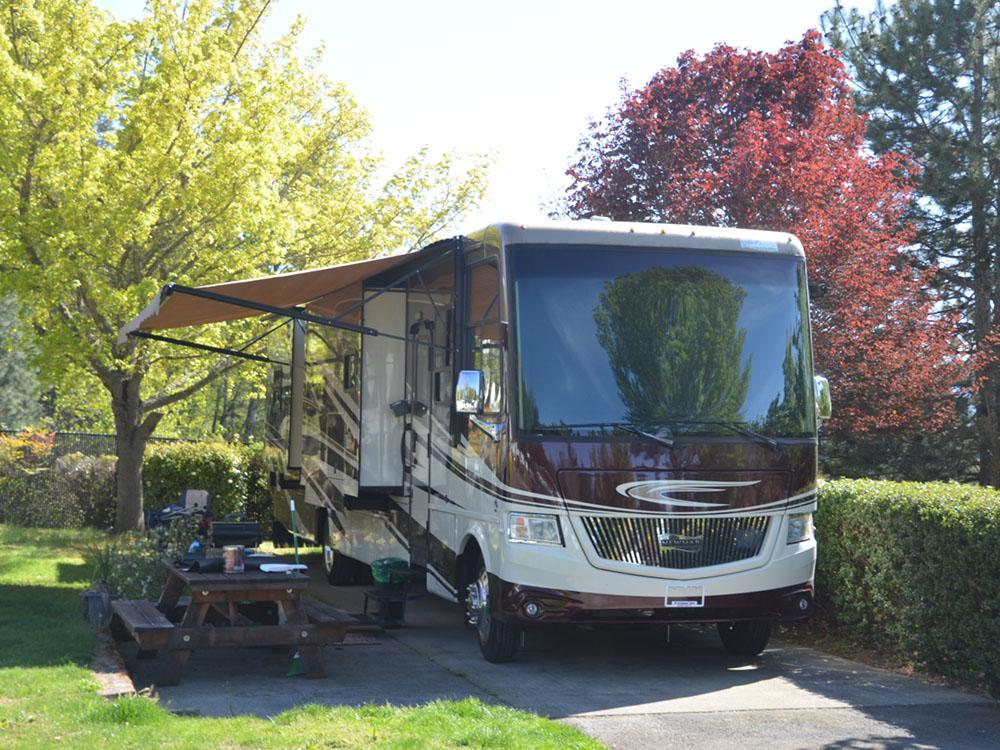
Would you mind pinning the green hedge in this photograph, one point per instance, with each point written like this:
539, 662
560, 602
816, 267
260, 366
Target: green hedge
915, 569
235, 475
78, 490
259, 507
221, 468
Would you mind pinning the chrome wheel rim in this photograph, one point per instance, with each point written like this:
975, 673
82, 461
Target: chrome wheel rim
477, 605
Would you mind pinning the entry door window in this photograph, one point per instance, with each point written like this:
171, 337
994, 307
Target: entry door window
483, 329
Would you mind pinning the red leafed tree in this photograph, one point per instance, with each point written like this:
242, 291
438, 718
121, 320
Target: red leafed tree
772, 141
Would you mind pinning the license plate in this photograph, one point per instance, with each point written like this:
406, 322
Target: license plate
685, 596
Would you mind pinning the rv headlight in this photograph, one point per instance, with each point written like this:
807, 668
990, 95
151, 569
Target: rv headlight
800, 527
534, 528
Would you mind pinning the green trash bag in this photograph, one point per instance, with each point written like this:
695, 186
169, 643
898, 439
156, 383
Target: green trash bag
390, 570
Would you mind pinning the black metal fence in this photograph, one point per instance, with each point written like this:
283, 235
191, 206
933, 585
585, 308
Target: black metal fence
87, 443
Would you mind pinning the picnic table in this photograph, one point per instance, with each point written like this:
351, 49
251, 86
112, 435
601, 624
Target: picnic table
306, 625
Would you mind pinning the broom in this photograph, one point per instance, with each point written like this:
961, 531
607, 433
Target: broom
295, 668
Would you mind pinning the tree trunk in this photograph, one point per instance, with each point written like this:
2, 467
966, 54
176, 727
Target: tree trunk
132, 431
250, 423
983, 282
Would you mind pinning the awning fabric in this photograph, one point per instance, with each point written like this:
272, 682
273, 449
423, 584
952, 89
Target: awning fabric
314, 289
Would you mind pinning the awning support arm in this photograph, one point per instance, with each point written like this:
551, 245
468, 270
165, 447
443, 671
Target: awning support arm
292, 312
261, 336
397, 282
207, 348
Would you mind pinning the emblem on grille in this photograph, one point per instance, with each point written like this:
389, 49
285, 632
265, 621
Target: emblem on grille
680, 543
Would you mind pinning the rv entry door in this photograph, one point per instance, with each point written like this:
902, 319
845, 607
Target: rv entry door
417, 426
429, 319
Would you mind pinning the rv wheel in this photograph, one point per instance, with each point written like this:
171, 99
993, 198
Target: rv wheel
746, 637
498, 641
340, 569
280, 536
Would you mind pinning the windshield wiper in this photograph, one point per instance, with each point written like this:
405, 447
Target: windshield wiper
743, 429
626, 426
662, 439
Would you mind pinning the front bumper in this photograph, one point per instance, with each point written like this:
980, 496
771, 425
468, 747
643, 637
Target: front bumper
564, 584
553, 606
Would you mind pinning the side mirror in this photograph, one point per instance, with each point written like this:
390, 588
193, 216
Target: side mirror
469, 392
824, 402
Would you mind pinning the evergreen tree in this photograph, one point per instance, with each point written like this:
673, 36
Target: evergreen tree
928, 76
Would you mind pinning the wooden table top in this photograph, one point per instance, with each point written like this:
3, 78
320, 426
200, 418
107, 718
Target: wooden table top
250, 580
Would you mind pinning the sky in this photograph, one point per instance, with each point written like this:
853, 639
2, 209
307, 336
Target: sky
519, 80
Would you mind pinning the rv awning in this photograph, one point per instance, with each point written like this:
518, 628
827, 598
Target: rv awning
322, 291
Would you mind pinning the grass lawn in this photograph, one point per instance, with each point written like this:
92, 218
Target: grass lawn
48, 698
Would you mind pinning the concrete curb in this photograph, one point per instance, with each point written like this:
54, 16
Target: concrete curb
109, 670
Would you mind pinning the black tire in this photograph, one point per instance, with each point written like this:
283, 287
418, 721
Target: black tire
746, 637
341, 570
363, 576
280, 536
499, 641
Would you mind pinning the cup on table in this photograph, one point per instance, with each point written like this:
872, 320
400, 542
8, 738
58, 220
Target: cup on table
233, 558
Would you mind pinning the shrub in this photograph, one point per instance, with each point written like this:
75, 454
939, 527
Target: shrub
130, 564
77, 491
913, 568
88, 483
27, 499
260, 461
171, 468
28, 449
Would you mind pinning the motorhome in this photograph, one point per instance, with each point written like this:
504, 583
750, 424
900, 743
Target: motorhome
580, 422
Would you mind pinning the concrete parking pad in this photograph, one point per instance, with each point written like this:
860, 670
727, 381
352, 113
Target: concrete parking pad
628, 688
965, 726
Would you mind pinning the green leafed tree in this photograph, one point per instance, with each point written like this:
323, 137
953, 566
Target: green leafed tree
674, 346
928, 77
181, 146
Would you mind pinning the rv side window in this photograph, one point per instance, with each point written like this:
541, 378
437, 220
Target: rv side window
484, 332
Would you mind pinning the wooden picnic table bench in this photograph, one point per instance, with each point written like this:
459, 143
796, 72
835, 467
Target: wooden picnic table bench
306, 625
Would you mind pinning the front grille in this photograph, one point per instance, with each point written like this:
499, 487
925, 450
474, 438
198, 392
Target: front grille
679, 543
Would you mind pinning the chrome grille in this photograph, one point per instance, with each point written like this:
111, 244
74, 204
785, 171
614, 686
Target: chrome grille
676, 542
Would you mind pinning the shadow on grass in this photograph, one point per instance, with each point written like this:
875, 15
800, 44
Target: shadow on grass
73, 572
43, 626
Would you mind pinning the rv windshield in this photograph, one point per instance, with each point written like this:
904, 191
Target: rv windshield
670, 340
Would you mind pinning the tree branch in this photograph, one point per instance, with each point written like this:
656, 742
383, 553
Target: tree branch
253, 26
165, 399
149, 423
